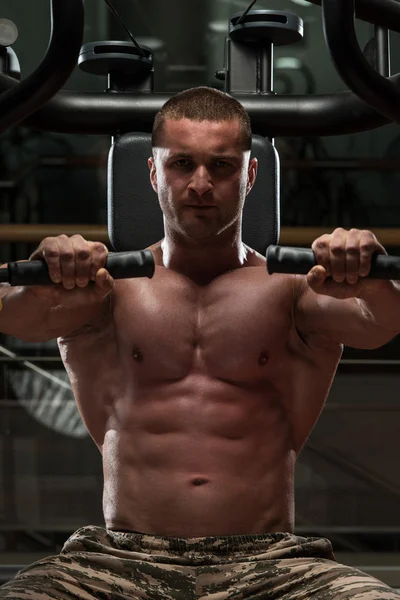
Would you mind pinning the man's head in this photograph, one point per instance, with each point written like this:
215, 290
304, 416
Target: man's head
201, 168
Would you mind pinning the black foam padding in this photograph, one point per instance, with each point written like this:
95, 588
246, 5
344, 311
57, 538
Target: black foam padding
135, 219
120, 265
283, 259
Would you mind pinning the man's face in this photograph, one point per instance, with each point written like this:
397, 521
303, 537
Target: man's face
202, 176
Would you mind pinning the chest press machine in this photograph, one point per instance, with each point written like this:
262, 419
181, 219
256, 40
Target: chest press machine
127, 109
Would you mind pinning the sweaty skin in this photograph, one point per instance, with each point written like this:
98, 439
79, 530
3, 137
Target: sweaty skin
199, 398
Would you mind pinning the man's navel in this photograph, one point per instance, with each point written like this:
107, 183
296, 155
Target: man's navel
199, 481
137, 355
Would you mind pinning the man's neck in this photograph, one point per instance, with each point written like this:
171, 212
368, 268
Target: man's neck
203, 260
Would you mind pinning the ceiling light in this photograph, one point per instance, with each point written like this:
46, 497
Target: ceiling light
302, 2
288, 62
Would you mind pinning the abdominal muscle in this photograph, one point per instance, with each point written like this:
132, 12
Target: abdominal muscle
215, 462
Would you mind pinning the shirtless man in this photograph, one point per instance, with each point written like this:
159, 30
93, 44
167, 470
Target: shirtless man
201, 385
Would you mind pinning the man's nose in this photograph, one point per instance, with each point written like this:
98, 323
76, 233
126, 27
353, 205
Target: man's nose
201, 181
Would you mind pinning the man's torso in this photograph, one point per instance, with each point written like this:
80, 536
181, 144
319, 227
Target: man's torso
200, 398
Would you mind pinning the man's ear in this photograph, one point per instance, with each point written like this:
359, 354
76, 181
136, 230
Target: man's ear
251, 174
153, 173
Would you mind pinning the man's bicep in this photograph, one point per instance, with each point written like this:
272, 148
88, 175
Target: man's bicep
324, 318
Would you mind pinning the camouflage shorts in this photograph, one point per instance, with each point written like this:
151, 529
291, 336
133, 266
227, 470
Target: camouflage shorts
110, 565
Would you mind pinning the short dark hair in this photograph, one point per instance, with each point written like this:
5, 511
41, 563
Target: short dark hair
202, 104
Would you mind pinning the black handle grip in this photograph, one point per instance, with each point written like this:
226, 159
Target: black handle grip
120, 265
282, 259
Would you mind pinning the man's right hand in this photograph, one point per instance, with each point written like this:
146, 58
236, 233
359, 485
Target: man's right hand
75, 262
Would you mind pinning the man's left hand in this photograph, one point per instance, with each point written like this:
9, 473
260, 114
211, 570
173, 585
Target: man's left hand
343, 261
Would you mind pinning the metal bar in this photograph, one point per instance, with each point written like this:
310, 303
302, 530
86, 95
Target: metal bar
66, 39
290, 236
305, 236
385, 13
8, 572
365, 361
352, 67
272, 116
29, 365
336, 406
16, 405
36, 233
267, 69
252, 3
23, 402
348, 528
382, 40
16, 359
382, 367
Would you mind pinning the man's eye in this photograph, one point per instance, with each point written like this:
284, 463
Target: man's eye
182, 162
222, 163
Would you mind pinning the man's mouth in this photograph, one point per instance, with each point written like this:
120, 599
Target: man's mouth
201, 207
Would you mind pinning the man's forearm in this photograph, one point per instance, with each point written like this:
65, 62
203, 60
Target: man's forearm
382, 306
22, 315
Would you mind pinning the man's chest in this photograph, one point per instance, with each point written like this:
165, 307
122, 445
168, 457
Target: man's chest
230, 329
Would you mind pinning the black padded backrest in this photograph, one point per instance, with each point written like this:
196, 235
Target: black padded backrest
135, 219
